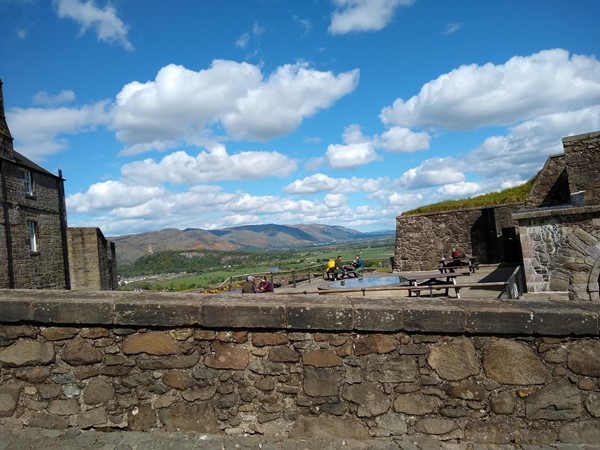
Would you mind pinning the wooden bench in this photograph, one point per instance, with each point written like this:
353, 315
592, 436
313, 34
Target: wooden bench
465, 268
457, 287
470, 262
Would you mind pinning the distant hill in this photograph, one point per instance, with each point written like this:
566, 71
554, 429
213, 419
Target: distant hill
250, 237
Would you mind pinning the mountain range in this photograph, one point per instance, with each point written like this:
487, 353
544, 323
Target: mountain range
250, 237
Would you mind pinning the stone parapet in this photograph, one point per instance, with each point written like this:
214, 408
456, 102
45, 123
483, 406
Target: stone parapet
487, 372
310, 312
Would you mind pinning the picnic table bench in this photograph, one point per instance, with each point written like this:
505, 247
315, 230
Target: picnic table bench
451, 264
427, 281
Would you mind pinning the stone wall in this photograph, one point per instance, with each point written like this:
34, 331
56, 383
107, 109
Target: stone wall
582, 153
92, 260
561, 251
483, 371
551, 186
422, 239
561, 242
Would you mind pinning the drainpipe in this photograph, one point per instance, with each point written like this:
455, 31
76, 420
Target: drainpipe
7, 230
60, 185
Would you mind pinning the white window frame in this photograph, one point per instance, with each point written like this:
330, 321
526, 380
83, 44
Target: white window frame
27, 181
32, 233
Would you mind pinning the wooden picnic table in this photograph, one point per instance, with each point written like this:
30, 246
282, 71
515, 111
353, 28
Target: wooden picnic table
449, 264
421, 279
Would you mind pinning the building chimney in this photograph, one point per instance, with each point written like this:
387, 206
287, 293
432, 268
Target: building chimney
6, 140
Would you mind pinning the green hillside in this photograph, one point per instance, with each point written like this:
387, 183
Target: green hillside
512, 195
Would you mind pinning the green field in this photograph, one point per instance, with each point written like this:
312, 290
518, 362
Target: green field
184, 270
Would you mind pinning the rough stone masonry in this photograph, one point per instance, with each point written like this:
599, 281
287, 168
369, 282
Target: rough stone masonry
484, 371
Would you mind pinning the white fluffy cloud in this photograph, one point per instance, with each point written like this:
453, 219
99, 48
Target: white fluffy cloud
107, 25
474, 96
182, 105
41, 132
433, 172
111, 194
324, 183
363, 15
213, 165
398, 139
525, 147
460, 189
356, 151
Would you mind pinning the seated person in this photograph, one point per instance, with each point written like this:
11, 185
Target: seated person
330, 269
357, 267
458, 258
456, 253
358, 262
339, 270
248, 287
264, 285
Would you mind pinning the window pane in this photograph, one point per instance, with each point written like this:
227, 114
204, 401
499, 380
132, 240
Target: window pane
32, 231
28, 182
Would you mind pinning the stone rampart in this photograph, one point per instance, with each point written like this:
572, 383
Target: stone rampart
92, 260
422, 239
484, 371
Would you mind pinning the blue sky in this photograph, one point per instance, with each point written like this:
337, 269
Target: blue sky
208, 114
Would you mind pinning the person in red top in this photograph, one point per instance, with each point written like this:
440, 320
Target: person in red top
456, 253
265, 285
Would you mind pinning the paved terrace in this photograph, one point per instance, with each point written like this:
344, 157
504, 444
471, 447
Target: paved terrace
485, 274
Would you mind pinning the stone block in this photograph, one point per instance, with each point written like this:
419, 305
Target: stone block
227, 356
555, 319
157, 313
93, 418
15, 310
384, 315
375, 343
27, 353
321, 358
559, 400
246, 314
79, 352
494, 317
72, 311
580, 433
197, 417
390, 368
416, 404
432, 316
513, 363
48, 421
330, 314
322, 382
152, 343
584, 358
454, 360
9, 398
369, 397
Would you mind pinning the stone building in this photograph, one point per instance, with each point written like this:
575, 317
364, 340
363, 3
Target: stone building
489, 233
560, 225
34, 249
91, 260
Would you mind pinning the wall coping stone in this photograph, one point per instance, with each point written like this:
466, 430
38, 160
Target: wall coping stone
455, 210
580, 137
334, 313
566, 210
